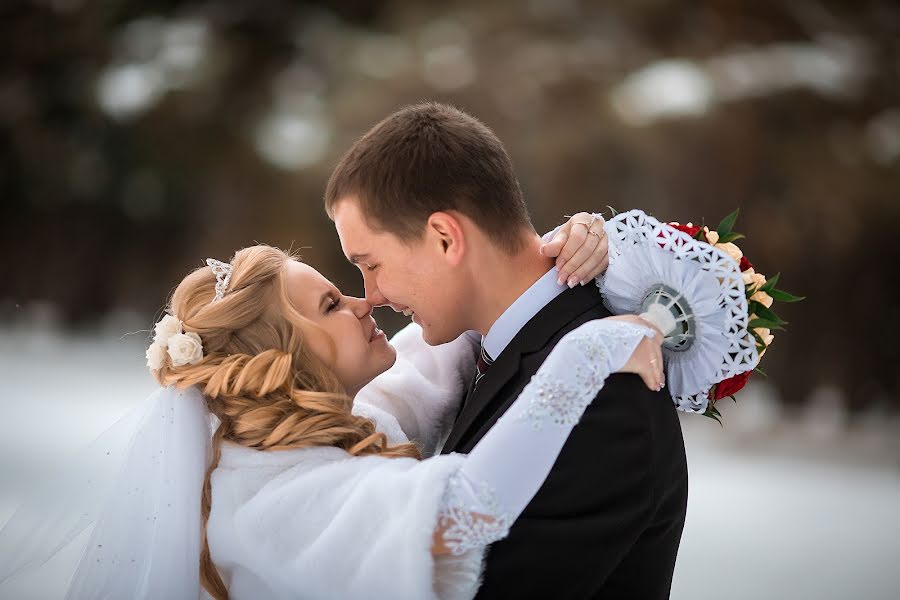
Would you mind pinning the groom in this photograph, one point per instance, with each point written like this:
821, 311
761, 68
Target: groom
427, 206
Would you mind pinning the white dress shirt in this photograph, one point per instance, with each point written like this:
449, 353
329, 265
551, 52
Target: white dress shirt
514, 318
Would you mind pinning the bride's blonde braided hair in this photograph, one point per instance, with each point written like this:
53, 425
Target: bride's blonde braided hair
268, 390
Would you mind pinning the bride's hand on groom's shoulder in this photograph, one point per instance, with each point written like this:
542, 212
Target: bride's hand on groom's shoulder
646, 360
581, 249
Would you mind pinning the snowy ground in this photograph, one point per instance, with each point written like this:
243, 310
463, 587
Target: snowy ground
798, 506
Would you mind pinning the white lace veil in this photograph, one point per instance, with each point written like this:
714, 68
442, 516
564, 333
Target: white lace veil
134, 496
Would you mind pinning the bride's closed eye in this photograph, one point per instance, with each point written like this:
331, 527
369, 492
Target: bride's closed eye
371, 267
333, 304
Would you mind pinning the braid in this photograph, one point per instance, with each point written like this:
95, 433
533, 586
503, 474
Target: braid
209, 576
268, 390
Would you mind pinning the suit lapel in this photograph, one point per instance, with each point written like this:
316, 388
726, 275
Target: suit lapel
503, 369
561, 311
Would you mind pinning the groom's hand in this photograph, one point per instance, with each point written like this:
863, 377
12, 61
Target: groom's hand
581, 249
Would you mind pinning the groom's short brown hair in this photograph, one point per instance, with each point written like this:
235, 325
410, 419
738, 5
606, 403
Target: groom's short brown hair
426, 158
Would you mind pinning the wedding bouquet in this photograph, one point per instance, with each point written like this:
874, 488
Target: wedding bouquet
704, 294
761, 294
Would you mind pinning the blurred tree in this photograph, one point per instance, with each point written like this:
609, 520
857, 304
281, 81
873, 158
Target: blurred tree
136, 139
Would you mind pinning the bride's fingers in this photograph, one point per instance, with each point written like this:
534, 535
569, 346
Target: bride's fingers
649, 379
579, 217
554, 246
593, 266
654, 361
575, 253
604, 265
577, 235
660, 371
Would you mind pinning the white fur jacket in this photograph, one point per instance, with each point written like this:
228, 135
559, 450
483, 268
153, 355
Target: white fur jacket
319, 523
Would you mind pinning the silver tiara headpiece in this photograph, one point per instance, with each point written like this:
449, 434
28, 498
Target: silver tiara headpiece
222, 271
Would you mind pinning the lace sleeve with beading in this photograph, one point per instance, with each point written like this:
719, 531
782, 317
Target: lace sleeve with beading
491, 488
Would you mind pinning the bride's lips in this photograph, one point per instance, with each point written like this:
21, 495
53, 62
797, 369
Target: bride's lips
375, 333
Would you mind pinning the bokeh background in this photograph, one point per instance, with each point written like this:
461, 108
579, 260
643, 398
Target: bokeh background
138, 138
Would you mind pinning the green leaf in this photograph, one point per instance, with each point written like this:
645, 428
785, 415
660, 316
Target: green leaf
782, 296
731, 237
757, 323
700, 236
758, 338
761, 372
770, 283
714, 414
733, 399
764, 313
727, 224
759, 341
612, 210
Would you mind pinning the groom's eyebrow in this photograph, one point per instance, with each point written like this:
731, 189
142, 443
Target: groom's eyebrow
355, 258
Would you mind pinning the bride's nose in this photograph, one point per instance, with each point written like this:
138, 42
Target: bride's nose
361, 308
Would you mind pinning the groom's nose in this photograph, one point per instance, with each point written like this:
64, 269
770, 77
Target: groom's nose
361, 308
373, 294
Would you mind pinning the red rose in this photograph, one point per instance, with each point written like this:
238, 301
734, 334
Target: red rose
731, 386
745, 264
691, 231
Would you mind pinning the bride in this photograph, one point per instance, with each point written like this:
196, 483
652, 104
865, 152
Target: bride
315, 483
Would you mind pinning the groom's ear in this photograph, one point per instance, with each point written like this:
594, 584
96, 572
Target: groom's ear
445, 231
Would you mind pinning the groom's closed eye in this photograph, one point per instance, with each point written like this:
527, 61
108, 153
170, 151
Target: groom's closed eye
360, 261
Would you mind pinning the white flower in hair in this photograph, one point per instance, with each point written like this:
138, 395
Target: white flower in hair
156, 356
167, 327
185, 349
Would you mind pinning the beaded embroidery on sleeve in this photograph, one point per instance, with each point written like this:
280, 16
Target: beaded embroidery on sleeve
557, 395
562, 397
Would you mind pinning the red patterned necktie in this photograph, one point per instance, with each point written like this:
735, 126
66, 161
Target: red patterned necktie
484, 363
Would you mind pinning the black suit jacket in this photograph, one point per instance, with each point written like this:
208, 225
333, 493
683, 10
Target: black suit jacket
607, 521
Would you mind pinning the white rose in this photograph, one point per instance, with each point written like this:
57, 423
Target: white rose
763, 298
156, 356
166, 328
712, 236
747, 276
752, 279
731, 250
185, 349
767, 338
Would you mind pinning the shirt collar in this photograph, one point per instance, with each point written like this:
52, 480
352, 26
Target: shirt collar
520, 312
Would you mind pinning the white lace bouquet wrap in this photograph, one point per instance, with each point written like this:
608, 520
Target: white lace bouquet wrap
647, 255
